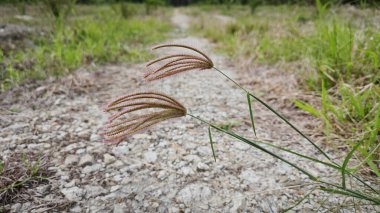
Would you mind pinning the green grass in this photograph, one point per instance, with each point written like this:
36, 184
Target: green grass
335, 53
92, 35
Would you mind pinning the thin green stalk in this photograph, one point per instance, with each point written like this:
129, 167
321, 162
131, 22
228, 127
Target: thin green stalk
299, 201
348, 157
251, 113
276, 113
349, 191
252, 143
211, 142
302, 156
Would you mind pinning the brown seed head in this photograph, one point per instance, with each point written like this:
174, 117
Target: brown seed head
177, 63
152, 107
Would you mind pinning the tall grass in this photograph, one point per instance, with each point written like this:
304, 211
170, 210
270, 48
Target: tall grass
104, 37
339, 57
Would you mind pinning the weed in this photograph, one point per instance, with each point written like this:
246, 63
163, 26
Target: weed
19, 172
131, 124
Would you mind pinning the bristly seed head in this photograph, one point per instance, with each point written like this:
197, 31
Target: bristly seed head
152, 107
177, 63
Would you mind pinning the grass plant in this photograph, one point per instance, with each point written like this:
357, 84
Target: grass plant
168, 67
335, 54
102, 36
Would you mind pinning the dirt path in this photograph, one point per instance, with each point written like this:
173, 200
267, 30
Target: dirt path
167, 169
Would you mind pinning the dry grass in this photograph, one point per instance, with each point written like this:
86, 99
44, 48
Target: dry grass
19, 173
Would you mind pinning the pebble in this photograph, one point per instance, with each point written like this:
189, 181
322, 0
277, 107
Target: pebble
73, 193
86, 160
150, 156
108, 159
71, 159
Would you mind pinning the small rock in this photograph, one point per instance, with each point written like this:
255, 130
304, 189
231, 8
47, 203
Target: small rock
250, 176
86, 160
193, 194
71, 183
93, 168
120, 208
108, 159
150, 157
239, 203
16, 207
73, 193
161, 175
187, 171
85, 134
71, 159
94, 191
202, 167
43, 190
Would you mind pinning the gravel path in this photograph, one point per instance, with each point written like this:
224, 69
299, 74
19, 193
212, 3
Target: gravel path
166, 169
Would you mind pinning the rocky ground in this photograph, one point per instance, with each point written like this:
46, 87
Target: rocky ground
169, 168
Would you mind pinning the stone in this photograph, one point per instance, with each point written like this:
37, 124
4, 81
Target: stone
71, 159
239, 203
187, 171
94, 191
86, 160
202, 167
150, 156
93, 168
120, 208
73, 193
16, 207
193, 194
43, 190
85, 134
108, 159
249, 176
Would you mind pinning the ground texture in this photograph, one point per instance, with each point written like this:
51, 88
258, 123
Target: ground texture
169, 168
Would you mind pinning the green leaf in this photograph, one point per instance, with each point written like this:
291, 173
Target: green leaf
346, 160
211, 142
307, 108
251, 113
35, 168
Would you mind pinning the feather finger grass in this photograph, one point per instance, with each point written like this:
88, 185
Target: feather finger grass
153, 108
177, 63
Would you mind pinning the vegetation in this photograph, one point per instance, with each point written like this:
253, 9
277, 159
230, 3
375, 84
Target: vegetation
124, 123
91, 34
331, 51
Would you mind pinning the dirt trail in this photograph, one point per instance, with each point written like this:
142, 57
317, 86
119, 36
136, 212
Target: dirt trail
166, 169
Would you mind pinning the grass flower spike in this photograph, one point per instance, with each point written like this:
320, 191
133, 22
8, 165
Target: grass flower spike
177, 63
151, 108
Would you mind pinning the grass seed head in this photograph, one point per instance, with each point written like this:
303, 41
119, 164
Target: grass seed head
177, 63
152, 108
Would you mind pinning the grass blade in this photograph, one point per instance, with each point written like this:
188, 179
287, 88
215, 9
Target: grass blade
251, 113
346, 160
254, 144
211, 142
290, 124
298, 202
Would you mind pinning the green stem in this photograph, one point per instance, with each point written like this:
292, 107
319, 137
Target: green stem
254, 144
276, 113
295, 128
